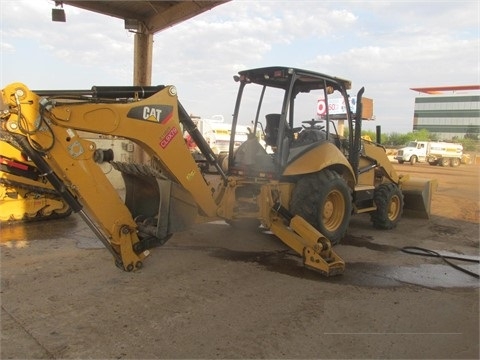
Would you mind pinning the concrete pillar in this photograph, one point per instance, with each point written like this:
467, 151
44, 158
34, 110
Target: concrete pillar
142, 74
142, 59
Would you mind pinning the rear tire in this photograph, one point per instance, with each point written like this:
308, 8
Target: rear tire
445, 162
389, 201
454, 162
325, 201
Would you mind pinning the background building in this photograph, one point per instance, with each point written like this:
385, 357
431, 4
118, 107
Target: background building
450, 112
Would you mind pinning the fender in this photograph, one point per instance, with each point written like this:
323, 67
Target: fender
319, 158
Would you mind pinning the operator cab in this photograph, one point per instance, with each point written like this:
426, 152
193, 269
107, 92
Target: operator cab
289, 112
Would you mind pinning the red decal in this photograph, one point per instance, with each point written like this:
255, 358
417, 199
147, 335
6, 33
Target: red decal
170, 135
167, 118
13, 164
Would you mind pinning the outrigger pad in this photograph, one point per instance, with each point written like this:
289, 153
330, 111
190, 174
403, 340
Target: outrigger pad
417, 196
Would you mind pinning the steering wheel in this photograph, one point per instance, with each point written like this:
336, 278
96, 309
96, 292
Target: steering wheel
312, 124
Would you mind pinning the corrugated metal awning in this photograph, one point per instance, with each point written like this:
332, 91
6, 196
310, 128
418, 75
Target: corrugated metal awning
154, 15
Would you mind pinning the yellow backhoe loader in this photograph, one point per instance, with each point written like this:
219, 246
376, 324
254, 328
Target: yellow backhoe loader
303, 185
25, 194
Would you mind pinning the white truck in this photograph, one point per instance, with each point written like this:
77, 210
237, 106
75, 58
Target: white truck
433, 152
217, 133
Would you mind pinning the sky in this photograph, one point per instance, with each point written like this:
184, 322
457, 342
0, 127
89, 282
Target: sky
388, 47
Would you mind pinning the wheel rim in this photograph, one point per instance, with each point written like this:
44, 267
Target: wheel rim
394, 208
333, 210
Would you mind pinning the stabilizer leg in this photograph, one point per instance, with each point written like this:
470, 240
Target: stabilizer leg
308, 242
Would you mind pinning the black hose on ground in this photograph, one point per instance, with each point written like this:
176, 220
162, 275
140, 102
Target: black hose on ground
426, 252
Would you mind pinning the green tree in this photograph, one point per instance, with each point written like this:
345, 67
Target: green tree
469, 144
422, 135
396, 139
472, 132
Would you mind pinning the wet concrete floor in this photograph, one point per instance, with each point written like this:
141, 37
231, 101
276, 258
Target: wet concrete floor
218, 292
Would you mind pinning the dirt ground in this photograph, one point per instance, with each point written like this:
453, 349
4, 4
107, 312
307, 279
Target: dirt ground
218, 292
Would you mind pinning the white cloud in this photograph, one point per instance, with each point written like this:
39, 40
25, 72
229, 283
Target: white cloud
7, 48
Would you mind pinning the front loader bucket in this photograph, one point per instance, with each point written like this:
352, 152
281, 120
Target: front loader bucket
417, 193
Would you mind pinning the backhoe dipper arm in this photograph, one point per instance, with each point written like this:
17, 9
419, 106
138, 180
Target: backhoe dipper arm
49, 127
71, 200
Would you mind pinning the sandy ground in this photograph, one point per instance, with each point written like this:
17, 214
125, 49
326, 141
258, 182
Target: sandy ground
218, 292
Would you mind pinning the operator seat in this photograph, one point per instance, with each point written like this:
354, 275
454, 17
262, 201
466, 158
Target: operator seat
271, 129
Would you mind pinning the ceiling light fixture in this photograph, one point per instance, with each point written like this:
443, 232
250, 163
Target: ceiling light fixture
132, 24
58, 14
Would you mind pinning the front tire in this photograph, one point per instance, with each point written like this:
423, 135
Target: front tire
325, 201
389, 201
413, 160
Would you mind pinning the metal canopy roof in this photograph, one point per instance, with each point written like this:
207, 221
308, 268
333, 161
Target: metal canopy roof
279, 77
154, 15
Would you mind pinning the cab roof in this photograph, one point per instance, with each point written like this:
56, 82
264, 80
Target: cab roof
279, 77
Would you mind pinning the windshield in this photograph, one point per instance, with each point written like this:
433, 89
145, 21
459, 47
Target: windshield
308, 107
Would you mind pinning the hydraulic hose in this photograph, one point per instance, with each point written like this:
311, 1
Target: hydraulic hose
44, 168
426, 252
